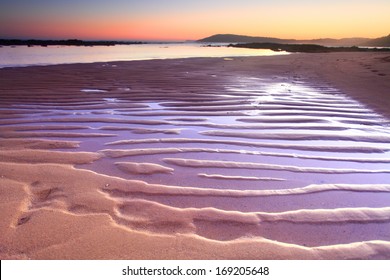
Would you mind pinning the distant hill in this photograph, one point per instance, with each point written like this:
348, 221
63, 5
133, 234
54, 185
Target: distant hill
345, 42
379, 42
231, 38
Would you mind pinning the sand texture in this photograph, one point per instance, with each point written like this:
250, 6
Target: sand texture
284, 157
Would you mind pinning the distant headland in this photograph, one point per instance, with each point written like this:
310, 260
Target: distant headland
307, 48
328, 42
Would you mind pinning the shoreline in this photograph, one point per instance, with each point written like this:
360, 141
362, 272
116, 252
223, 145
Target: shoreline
68, 42
309, 48
197, 158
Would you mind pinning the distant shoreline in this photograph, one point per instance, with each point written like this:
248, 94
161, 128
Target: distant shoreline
306, 48
69, 42
330, 42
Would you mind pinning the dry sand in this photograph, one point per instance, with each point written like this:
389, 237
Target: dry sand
283, 157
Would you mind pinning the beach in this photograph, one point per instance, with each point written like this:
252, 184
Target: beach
273, 157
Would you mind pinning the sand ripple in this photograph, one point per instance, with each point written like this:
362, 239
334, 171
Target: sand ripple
216, 161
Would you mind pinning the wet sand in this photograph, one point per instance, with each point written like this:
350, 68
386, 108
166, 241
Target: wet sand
284, 157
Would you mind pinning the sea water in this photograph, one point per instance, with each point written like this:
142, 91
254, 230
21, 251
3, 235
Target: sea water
16, 56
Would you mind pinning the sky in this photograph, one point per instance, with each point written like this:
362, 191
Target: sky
192, 20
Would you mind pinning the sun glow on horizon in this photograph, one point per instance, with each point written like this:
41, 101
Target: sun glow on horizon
192, 20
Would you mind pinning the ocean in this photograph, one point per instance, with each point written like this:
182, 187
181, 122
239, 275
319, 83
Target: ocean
17, 56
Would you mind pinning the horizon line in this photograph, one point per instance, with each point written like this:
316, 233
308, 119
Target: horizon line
173, 40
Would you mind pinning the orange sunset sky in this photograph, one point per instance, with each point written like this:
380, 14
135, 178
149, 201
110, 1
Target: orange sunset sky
191, 20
